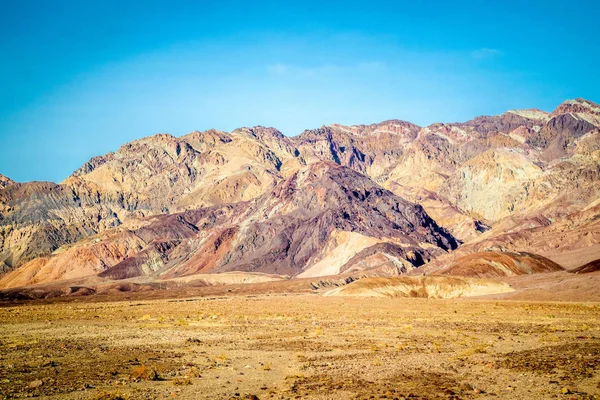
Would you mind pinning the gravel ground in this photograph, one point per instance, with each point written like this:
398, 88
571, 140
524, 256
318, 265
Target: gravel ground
300, 346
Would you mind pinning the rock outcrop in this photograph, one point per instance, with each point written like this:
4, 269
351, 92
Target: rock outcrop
303, 225
169, 174
5, 181
492, 184
37, 218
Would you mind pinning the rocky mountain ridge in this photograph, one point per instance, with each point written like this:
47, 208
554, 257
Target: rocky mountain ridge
294, 229
474, 180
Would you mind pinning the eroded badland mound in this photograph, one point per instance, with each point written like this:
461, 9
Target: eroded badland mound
492, 264
433, 287
593, 266
384, 198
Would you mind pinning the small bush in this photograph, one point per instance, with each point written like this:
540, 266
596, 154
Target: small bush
110, 396
143, 373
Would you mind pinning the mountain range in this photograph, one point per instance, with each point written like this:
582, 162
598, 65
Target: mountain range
387, 199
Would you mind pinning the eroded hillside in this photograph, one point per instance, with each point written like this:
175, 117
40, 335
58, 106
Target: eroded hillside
339, 199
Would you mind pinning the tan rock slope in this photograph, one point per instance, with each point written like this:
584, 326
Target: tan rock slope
169, 174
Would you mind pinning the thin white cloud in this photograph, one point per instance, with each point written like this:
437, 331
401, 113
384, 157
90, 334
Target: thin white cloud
281, 69
277, 69
485, 53
372, 65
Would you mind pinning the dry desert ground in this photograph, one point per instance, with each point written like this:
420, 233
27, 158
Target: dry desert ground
286, 346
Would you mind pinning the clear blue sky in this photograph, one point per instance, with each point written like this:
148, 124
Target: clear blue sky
80, 78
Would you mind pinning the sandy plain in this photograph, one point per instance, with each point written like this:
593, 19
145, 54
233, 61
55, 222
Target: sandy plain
282, 346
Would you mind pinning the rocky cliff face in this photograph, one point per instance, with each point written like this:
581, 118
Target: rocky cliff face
168, 174
305, 225
369, 149
154, 175
310, 224
492, 184
36, 218
338, 198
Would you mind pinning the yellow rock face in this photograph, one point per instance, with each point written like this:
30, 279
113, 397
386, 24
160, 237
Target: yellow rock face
493, 184
436, 287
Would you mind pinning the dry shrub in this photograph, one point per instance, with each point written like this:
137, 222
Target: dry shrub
144, 373
110, 396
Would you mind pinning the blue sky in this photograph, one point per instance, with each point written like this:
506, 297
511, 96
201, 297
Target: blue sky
80, 78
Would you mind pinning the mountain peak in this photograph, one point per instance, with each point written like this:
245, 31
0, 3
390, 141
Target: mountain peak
532, 113
301, 223
392, 126
260, 132
5, 181
577, 105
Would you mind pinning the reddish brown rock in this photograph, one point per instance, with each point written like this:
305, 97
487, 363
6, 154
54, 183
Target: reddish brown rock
592, 266
494, 264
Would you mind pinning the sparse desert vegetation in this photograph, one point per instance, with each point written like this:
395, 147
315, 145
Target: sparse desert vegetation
301, 346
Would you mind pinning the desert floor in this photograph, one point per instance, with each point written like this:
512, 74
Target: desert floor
300, 346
